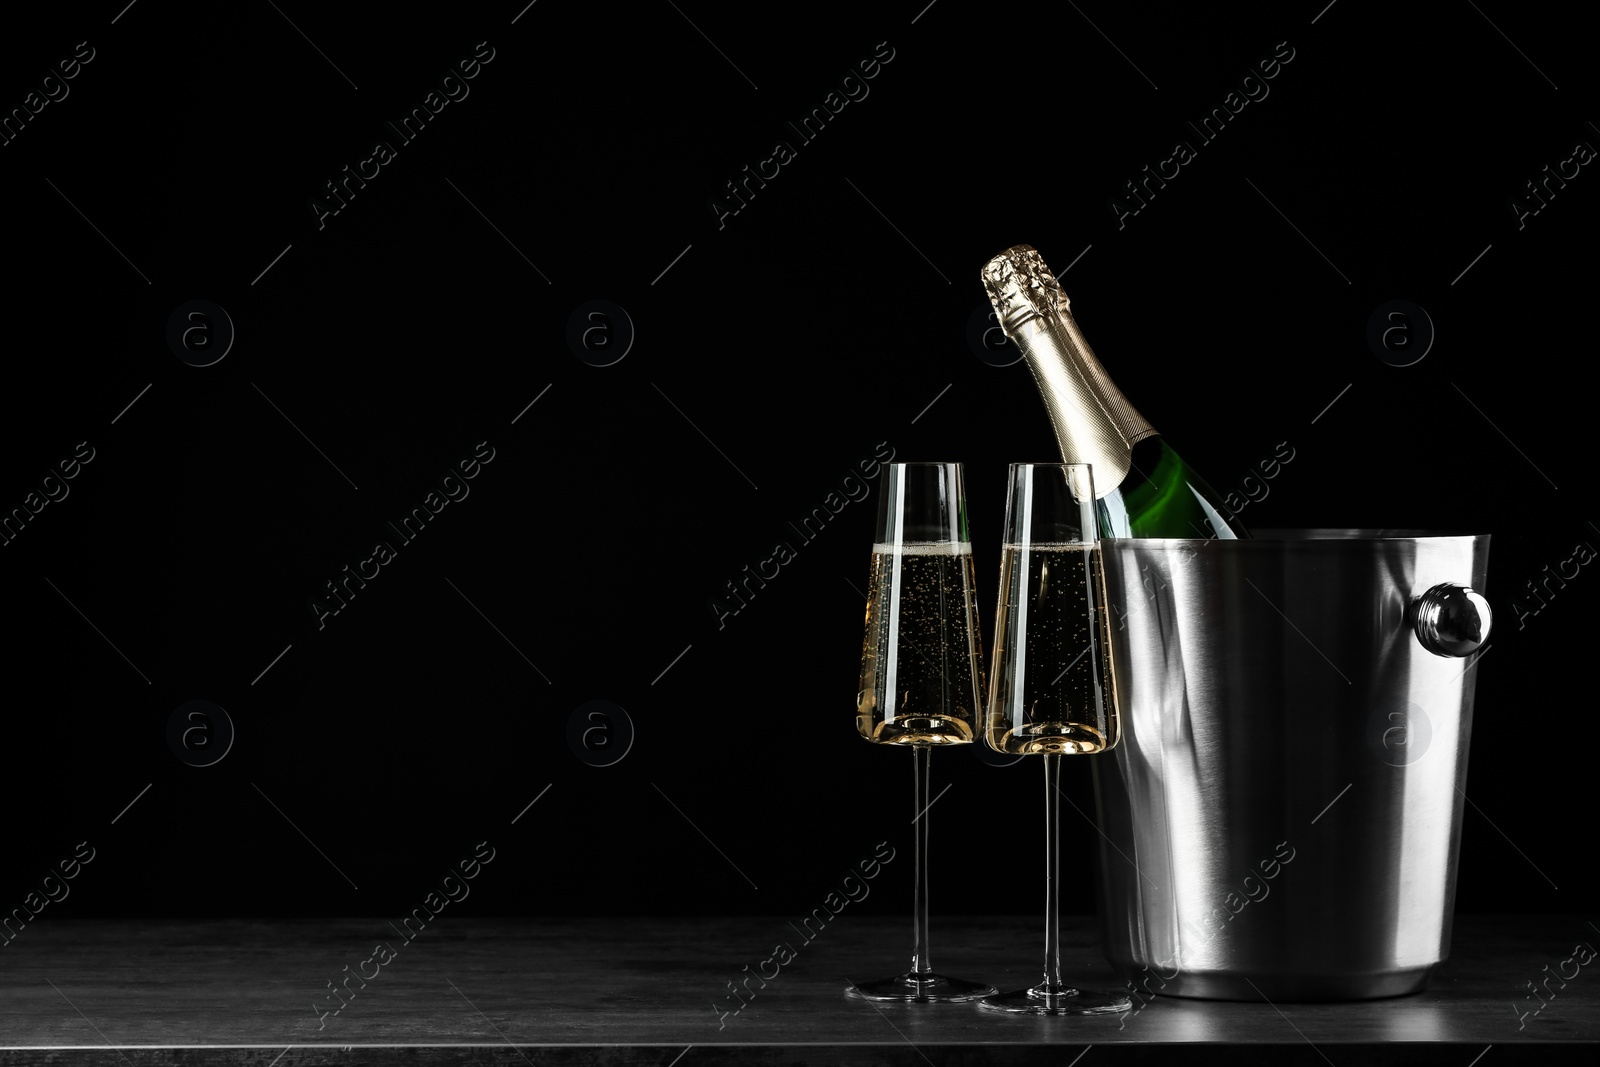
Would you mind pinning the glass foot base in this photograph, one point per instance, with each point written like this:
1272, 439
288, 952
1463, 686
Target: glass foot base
1067, 1001
910, 987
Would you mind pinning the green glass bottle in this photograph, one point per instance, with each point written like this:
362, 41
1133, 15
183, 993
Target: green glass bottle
1145, 488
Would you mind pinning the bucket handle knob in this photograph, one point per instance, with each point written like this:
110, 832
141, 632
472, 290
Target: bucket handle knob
1451, 619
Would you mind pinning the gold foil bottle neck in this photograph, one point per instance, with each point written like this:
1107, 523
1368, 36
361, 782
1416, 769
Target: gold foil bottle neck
1093, 421
1021, 287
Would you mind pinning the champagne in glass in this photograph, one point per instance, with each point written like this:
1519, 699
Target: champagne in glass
920, 656
1050, 613
921, 671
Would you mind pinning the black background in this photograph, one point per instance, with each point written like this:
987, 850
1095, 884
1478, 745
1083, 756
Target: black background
772, 352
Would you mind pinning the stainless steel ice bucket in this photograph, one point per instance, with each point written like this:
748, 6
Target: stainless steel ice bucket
1282, 815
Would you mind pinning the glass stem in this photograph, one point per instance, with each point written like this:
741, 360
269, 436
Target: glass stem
1052, 875
920, 963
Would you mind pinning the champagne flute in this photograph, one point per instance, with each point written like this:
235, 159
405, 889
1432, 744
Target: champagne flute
921, 669
1051, 689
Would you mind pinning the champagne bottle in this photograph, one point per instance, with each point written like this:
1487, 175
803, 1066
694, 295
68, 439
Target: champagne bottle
1145, 489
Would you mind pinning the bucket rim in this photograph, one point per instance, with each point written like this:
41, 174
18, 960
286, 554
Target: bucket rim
1278, 536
